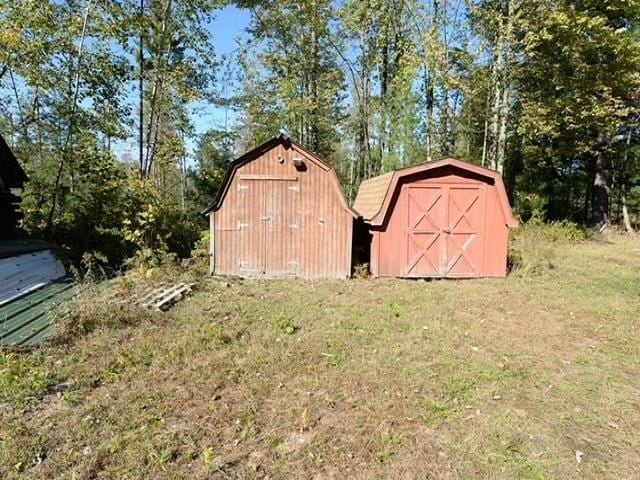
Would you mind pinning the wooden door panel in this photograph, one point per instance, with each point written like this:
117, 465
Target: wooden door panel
251, 242
445, 230
465, 231
426, 212
282, 227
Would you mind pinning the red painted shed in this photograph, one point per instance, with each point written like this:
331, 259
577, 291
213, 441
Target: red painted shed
446, 218
281, 212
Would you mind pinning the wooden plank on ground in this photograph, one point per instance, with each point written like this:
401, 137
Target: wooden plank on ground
161, 297
148, 293
175, 295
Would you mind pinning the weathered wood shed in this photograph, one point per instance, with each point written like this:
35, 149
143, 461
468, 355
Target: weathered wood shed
12, 176
446, 218
281, 212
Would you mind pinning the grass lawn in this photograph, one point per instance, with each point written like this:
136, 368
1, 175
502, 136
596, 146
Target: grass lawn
535, 376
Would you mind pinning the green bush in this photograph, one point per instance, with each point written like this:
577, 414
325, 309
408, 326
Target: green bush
551, 232
201, 250
530, 207
532, 248
109, 216
285, 324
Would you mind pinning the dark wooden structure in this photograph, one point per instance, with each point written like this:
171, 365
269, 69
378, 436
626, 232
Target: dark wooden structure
446, 218
281, 212
12, 176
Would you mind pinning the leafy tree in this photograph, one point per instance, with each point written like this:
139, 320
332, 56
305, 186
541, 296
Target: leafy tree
295, 84
380, 58
66, 95
546, 92
176, 66
578, 86
213, 156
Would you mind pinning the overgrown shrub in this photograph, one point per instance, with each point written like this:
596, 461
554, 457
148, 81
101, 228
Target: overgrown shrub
530, 207
161, 224
201, 250
145, 263
94, 267
532, 249
109, 216
179, 229
95, 310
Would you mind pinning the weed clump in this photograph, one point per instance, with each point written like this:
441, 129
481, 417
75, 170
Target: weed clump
361, 270
393, 310
436, 413
89, 314
285, 323
23, 378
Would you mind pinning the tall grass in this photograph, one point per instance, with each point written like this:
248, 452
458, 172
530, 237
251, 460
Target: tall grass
533, 246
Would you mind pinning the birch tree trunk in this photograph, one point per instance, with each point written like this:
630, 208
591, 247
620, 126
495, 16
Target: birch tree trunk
141, 92
600, 210
314, 130
445, 111
72, 115
156, 94
496, 87
505, 107
626, 220
485, 137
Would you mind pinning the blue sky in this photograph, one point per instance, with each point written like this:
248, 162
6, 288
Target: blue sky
227, 28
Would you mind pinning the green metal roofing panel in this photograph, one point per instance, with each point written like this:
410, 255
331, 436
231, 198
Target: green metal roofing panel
11, 248
26, 320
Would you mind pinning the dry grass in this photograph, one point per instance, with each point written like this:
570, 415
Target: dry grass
358, 379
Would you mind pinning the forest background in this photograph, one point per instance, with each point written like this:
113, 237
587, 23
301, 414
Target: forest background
102, 100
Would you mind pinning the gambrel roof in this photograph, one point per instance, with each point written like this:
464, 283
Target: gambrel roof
374, 195
281, 139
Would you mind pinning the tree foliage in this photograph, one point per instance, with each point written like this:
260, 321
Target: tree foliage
69, 78
98, 103
292, 81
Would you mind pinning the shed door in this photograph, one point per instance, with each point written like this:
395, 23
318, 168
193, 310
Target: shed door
269, 229
445, 231
282, 227
250, 246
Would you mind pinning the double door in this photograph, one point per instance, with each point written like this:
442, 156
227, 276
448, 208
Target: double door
269, 225
445, 230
